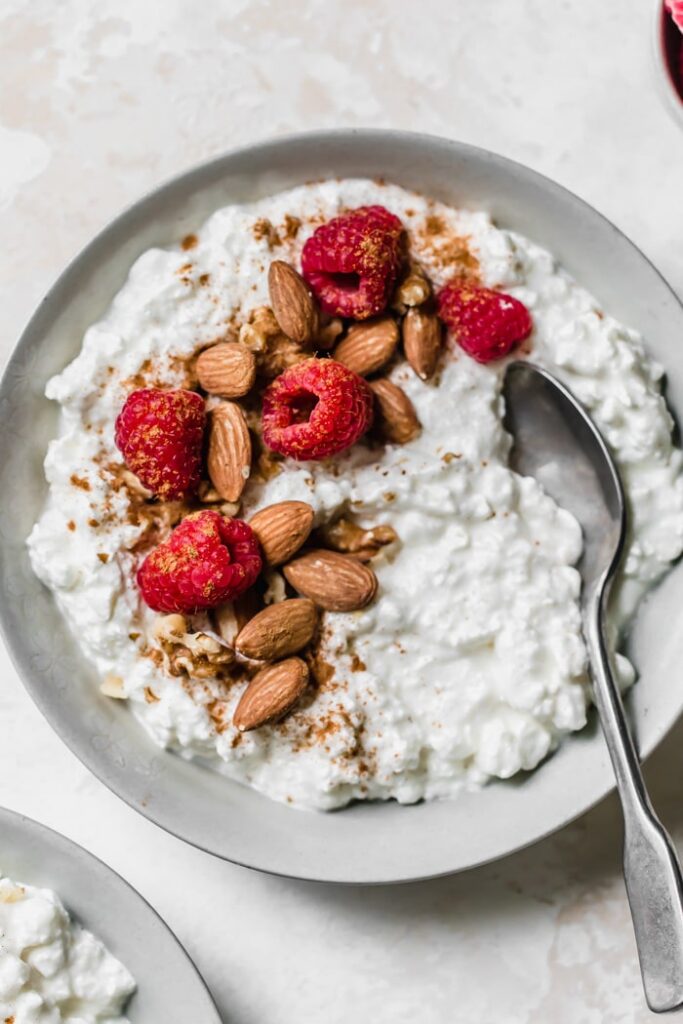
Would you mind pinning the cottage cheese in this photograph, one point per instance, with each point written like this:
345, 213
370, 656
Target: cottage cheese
471, 663
52, 970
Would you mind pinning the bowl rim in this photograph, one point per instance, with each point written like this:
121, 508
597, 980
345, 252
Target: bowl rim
55, 843
262, 147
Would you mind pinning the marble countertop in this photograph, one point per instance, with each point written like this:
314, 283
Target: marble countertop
99, 102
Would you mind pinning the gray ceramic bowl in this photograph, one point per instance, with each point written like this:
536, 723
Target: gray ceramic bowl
169, 987
364, 843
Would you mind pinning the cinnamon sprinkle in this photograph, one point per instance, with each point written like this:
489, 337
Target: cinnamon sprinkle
264, 229
447, 250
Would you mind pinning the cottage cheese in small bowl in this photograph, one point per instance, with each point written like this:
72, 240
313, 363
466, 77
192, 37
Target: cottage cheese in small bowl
52, 969
468, 663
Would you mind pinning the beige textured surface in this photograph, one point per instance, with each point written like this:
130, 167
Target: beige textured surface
100, 101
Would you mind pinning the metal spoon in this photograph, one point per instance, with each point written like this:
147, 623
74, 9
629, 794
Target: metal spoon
556, 442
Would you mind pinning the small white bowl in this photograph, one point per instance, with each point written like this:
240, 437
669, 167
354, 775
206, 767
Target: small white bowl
169, 987
664, 41
366, 842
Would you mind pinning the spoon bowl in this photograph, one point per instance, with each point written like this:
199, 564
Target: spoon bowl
556, 442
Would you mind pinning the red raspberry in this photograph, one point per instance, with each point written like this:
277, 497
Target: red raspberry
160, 434
315, 409
207, 560
352, 262
486, 323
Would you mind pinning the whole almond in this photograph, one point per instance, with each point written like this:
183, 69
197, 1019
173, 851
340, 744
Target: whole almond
282, 529
337, 583
279, 630
395, 413
293, 305
229, 457
228, 369
368, 346
422, 341
271, 694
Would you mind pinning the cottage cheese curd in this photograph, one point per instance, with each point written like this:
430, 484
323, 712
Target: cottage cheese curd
471, 662
52, 970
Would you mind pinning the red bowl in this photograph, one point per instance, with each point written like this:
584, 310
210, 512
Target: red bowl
671, 49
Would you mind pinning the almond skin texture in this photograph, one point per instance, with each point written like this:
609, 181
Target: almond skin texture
293, 305
422, 341
368, 346
279, 630
282, 529
229, 456
228, 369
271, 694
394, 412
337, 583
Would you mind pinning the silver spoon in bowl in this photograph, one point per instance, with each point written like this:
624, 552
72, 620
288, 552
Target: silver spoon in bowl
556, 442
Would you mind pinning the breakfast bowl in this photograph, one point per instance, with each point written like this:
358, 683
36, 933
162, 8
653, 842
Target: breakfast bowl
168, 986
366, 842
667, 50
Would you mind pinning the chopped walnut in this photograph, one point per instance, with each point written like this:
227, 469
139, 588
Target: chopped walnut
133, 484
228, 619
268, 464
260, 326
413, 289
170, 627
275, 587
225, 622
274, 351
279, 354
328, 333
346, 536
196, 655
208, 495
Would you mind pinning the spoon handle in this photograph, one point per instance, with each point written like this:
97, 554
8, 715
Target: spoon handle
651, 868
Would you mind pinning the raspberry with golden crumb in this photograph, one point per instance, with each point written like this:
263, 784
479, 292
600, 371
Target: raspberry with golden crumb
316, 409
351, 263
160, 434
486, 323
207, 560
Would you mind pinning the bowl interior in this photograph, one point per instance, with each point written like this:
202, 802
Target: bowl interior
364, 843
169, 987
